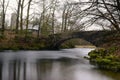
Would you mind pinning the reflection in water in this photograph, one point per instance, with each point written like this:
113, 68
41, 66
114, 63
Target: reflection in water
40, 70
34, 66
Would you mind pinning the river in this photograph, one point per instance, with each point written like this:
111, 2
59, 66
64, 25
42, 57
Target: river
65, 64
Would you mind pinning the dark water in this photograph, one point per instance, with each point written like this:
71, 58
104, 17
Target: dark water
67, 64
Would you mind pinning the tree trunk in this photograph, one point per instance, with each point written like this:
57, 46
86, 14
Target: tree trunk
63, 19
39, 28
53, 22
27, 19
21, 16
18, 13
3, 17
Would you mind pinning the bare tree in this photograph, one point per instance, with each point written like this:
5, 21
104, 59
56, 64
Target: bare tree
54, 6
21, 15
4, 9
27, 18
18, 13
113, 15
71, 17
65, 17
98, 10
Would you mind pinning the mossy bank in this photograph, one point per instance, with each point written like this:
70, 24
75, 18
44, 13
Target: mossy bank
105, 58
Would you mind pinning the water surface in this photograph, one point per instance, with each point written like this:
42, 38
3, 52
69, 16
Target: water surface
66, 64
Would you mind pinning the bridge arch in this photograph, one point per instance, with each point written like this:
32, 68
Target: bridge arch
58, 43
73, 42
94, 37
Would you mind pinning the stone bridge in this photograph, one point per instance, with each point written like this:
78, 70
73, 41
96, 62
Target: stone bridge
95, 37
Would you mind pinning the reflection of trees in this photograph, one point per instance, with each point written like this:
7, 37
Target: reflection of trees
14, 70
41, 70
53, 69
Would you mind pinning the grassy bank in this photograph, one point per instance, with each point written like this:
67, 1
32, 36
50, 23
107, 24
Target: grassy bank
10, 41
23, 44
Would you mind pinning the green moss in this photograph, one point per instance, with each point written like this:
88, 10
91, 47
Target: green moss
112, 49
105, 59
93, 55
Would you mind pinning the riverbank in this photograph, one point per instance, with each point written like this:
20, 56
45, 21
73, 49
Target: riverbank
12, 41
108, 56
85, 46
105, 59
23, 43
33, 43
